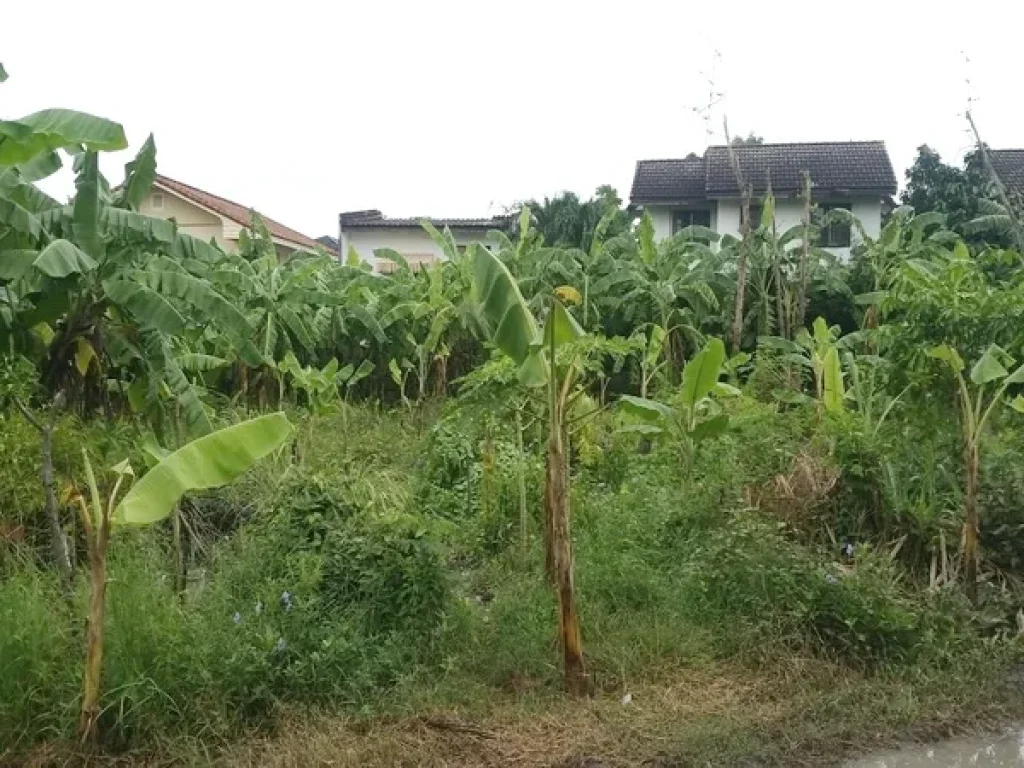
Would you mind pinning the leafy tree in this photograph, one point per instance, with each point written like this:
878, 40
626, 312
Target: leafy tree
962, 195
566, 221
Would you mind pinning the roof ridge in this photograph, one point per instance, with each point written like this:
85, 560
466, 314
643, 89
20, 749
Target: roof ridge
161, 177
225, 209
799, 143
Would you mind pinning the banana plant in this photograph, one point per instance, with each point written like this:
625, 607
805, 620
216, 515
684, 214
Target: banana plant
694, 416
816, 351
208, 462
544, 359
978, 400
650, 360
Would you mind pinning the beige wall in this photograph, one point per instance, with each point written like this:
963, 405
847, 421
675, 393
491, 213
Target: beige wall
191, 219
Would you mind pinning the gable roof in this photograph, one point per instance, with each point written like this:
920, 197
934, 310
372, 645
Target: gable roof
376, 219
240, 214
1009, 165
848, 167
669, 181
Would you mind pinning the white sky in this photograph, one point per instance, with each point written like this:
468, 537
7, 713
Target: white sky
304, 109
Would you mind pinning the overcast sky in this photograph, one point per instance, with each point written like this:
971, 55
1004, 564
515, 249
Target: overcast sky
442, 108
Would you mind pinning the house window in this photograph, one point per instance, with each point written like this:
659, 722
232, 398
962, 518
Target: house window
837, 233
158, 201
695, 218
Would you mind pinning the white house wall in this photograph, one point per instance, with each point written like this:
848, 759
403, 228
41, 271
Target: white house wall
408, 241
725, 218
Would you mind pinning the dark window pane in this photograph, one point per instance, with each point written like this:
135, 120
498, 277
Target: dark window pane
837, 233
682, 219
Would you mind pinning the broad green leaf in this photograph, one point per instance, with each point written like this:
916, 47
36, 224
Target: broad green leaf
655, 346
62, 258
510, 324
365, 369
40, 167
534, 370
86, 216
870, 299
14, 264
1017, 404
396, 372
1017, 377
722, 389
139, 176
768, 212
988, 368
833, 381
651, 410
208, 462
390, 254
352, 258
58, 128
19, 219
713, 427
197, 362
821, 333
645, 239
948, 355
212, 307
702, 372
561, 327
145, 304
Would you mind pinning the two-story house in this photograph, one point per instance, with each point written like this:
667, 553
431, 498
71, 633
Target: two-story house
855, 175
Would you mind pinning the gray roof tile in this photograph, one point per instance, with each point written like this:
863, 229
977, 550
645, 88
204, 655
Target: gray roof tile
838, 167
1009, 164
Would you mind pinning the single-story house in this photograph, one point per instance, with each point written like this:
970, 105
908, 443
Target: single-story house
855, 175
366, 231
211, 217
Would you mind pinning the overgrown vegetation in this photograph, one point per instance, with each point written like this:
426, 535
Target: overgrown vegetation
827, 503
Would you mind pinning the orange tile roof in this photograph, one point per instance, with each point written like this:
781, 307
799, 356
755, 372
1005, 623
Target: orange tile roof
239, 214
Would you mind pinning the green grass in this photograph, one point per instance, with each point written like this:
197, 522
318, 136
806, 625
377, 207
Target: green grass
408, 596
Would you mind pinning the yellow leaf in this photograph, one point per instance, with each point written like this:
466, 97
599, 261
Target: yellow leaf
84, 355
44, 332
568, 294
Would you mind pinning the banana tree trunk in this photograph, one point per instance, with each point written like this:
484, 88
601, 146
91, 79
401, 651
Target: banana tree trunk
972, 524
97, 545
741, 289
58, 541
558, 557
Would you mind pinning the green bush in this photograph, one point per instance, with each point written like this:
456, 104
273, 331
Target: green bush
388, 572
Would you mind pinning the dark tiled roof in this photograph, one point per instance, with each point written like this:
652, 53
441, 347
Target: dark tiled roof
668, 181
1009, 165
842, 167
236, 212
375, 219
328, 242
